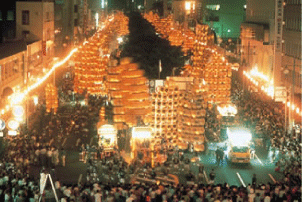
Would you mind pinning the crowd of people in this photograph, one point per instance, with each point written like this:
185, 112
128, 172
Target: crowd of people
45, 146
267, 123
97, 192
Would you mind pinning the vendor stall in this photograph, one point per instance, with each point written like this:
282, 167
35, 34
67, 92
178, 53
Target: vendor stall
107, 137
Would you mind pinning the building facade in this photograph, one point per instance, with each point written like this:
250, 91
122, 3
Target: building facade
20, 64
271, 41
224, 17
35, 21
7, 20
72, 23
291, 50
257, 36
259, 41
185, 10
12, 67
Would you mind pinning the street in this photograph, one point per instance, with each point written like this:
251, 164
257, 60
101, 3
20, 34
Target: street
232, 174
170, 103
241, 174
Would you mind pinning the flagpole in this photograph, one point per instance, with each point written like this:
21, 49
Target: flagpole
159, 69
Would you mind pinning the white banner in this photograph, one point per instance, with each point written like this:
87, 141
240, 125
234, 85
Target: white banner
278, 25
280, 94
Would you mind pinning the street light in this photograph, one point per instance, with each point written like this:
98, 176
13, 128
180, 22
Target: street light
187, 6
287, 104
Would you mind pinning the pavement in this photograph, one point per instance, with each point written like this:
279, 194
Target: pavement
233, 174
238, 174
69, 174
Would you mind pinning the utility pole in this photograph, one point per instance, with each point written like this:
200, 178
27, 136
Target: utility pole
248, 53
292, 96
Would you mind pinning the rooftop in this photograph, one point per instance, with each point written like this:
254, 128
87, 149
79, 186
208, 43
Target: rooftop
11, 48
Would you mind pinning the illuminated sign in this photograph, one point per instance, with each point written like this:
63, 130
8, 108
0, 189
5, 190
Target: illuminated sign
2, 124
13, 124
12, 133
142, 132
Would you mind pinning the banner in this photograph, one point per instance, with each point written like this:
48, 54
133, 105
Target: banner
278, 25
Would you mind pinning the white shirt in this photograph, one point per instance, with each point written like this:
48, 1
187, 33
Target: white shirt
6, 197
98, 197
5, 179
267, 199
63, 200
67, 192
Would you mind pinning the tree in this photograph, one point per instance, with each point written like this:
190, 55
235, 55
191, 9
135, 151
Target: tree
146, 47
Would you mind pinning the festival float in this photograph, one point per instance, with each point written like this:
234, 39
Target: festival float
107, 135
129, 94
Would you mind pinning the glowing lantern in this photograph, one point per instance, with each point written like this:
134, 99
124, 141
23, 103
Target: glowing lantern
18, 111
13, 124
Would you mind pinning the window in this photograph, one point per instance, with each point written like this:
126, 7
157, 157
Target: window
212, 17
213, 7
76, 8
25, 17
15, 66
297, 2
5, 71
59, 1
25, 33
10, 15
239, 149
76, 22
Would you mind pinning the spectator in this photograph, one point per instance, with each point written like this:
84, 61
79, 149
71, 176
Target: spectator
254, 180
212, 177
98, 196
63, 156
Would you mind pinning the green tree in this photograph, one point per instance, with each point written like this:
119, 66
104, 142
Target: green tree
146, 47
